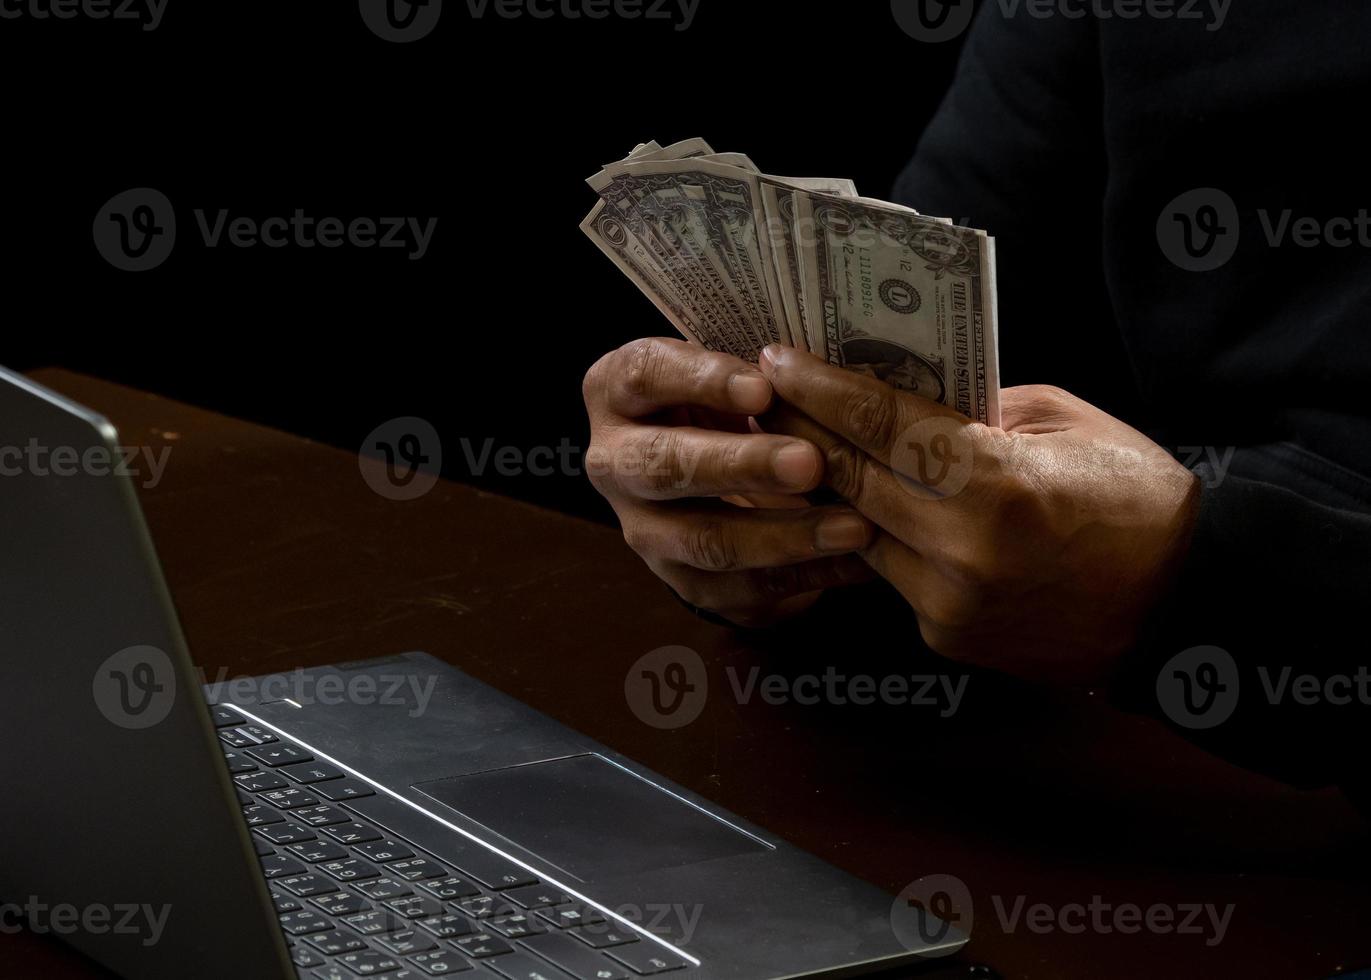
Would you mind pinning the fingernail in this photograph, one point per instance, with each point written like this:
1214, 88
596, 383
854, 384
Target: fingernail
768, 357
796, 465
750, 392
840, 532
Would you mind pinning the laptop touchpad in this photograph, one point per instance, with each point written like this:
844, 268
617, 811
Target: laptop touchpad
589, 817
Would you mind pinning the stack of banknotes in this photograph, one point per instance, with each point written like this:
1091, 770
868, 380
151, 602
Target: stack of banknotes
737, 259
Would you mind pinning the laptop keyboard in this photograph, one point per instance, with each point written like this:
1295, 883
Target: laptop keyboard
357, 900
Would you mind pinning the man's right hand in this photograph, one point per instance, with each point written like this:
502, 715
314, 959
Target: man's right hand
670, 440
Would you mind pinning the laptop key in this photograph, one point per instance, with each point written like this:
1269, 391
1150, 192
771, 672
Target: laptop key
258, 816
258, 734
288, 799
285, 833
334, 972
284, 903
373, 922
575, 958
343, 789
369, 963
383, 887
275, 865
479, 945
304, 922
403, 942
316, 851
237, 762
350, 869
603, 936
234, 737
259, 782
449, 888
646, 958
566, 916
351, 833
312, 772
448, 925
244, 799
439, 962
307, 885
305, 957
262, 847
417, 869
336, 941
385, 849
514, 926
521, 966
279, 754
415, 907
319, 816
536, 896
341, 903
483, 906
224, 716
493, 871
331, 972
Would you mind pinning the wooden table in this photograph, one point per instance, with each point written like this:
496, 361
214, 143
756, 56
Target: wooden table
279, 555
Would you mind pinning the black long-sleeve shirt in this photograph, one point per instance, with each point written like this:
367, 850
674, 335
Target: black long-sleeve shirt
1067, 139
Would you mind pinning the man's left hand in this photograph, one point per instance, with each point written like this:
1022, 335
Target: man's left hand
1037, 548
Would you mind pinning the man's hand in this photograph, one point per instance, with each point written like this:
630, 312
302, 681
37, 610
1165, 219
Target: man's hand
1037, 548
669, 438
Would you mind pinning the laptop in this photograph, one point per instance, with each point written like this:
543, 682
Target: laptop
390, 818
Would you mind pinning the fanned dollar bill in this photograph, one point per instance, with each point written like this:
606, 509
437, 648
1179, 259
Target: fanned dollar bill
903, 298
737, 259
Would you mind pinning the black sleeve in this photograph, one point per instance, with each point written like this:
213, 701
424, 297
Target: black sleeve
1273, 578
1278, 584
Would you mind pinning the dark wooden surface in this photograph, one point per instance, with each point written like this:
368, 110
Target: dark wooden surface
279, 555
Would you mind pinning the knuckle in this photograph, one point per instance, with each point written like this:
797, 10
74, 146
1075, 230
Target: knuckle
845, 469
597, 472
871, 417
1000, 459
594, 381
1050, 394
787, 580
1017, 510
636, 537
1048, 402
692, 590
953, 609
705, 372
772, 584
731, 463
661, 465
642, 362
709, 545
968, 565
691, 586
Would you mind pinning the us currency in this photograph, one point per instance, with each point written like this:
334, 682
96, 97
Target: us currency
671, 229
903, 298
737, 259
706, 214
778, 200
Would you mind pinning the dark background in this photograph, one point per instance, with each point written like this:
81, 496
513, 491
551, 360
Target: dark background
490, 125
